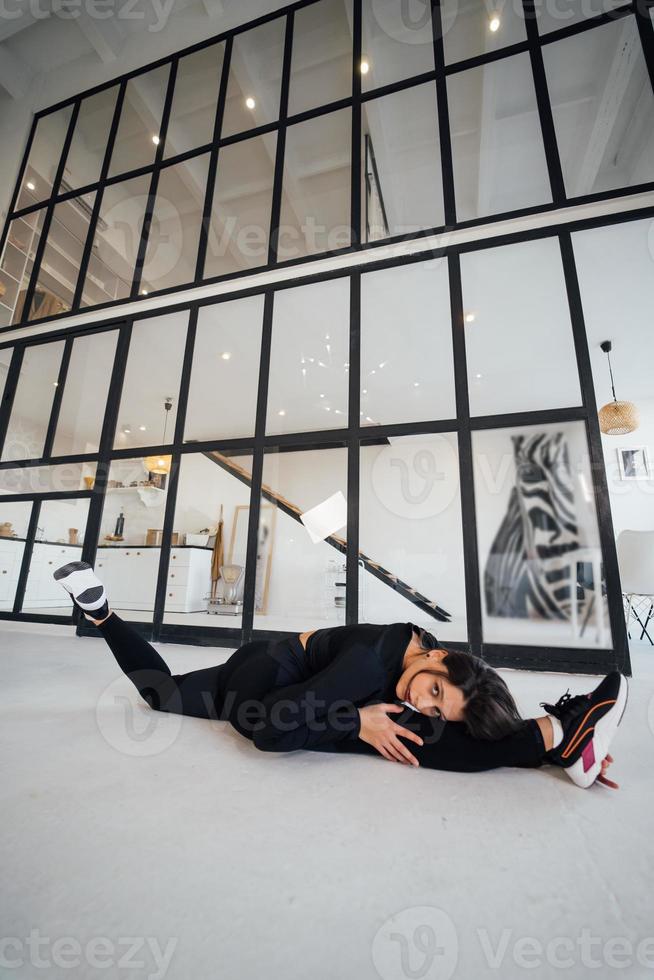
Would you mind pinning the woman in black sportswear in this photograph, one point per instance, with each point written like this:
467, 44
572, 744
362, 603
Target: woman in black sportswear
335, 689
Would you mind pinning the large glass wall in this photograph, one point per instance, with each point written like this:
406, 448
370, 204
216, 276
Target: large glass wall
409, 442
302, 136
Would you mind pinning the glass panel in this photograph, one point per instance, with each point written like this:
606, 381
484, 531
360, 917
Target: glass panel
62, 257
213, 487
402, 189
152, 375
407, 374
193, 111
115, 242
298, 581
497, 143
480, 27
129, 549
614, 265
44, 157
604, 110
321, 62
397, 41
17, 264
255, 78
89, 143
172, 250
85, 395
65, 477
14, 521
223, 394
553, 16
59, 539
411, 559
242, 202
30, 415
315, 215
538, 539
140, 121
519, 344
309, 358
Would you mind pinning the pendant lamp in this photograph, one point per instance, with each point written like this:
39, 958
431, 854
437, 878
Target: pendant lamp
160, 464
616, 418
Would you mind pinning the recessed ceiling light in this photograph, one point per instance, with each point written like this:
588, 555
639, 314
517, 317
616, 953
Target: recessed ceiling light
250, 102
478, 376
494, 24
282, 411
416, 384
156, 140
326, 336
144, 292
322, 396
365, 67
470, 317
31, 186
142, 428
55, 384
327, 408
127, 430
226, 355
364, 391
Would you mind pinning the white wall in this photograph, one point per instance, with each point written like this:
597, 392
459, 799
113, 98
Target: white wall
632, 501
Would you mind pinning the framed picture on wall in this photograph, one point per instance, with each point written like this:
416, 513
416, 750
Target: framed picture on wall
634, 463
238, 548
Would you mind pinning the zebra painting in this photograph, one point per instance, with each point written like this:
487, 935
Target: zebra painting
523, 578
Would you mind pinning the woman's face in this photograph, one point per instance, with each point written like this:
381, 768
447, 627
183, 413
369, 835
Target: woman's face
428, 692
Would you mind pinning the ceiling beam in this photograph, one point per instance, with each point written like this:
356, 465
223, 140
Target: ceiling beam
15, 76
214, 8
609, 105
106, 37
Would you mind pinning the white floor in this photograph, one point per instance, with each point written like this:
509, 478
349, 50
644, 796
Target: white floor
139, 845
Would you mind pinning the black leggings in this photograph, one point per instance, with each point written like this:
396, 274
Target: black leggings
251, 669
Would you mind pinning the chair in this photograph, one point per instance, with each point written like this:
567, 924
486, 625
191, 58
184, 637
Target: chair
636, 560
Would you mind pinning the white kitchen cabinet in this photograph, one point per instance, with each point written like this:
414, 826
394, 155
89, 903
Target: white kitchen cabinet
42, 589
130, 577
11, 556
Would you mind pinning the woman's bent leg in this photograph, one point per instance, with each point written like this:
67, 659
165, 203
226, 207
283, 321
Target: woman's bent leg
192, 693
448, 746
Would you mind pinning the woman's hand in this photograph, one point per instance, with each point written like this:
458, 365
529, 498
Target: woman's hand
602, 776
380, 731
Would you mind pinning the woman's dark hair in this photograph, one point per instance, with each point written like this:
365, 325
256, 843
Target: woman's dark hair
489, 709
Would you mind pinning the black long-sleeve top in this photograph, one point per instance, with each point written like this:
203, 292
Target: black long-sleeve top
318, 692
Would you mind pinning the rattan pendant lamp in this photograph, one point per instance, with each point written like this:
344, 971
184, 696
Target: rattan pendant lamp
160, 464
616, 418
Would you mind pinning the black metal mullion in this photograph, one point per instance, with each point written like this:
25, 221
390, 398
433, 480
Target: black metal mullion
58, 398
19, 182
173, 481
280, 149
445, 137
357, 125
249, 585
646, 33
110, 421
550, 144
466, 473
598, 470
213, 162
154, 180
9, 394
23, 575
97, 203
353, 454
47, 221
